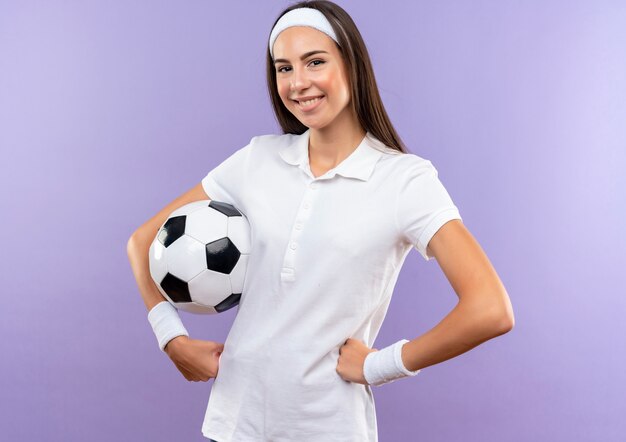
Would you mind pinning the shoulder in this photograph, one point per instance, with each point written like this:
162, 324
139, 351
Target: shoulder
397, 160
274, 140
409, 163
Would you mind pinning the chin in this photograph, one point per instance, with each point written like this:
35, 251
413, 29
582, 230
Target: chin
316, 126
314, 122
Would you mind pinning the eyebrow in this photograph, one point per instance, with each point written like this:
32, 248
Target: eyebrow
305, 55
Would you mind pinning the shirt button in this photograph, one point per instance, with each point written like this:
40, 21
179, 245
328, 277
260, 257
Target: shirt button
313, 185
293, 245
306, 205
298, 226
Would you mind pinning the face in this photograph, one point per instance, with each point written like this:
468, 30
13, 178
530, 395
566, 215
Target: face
318, 74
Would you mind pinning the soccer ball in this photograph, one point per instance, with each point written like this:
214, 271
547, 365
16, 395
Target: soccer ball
199, 257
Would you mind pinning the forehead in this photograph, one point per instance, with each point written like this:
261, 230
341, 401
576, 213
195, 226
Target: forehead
299, 39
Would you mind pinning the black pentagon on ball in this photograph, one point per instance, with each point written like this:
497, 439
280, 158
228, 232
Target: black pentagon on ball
222, 255
227, 303
176, 288
225, 208
173, 229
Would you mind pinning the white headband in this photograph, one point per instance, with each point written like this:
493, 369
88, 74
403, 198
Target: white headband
302, 17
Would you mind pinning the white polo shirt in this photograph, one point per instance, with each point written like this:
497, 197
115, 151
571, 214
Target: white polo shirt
326, 253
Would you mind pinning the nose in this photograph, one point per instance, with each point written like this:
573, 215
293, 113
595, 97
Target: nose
299, 79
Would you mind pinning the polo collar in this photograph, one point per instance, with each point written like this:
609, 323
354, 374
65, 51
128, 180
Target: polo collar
359, 164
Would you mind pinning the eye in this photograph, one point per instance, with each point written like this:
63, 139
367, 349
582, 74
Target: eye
280, 69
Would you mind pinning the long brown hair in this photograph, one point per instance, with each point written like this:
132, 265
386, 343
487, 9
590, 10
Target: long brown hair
365, 98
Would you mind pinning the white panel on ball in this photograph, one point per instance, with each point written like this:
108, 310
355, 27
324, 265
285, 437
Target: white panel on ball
206, 225
210, 287
186, 258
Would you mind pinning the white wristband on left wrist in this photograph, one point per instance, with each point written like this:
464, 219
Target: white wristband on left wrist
384, 366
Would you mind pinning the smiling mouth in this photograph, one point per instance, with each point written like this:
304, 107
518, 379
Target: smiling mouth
309, 104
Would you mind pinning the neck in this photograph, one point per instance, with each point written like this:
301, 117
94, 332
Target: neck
335, 142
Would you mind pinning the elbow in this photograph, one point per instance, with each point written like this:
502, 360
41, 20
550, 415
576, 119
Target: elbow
493, 325
495, 316
490, 309
139, 241
507, 318
129, 246
133, 242
504, 324
501, 312
489, 320
503, 319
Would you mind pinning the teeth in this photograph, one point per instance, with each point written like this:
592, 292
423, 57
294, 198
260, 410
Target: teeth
306, 103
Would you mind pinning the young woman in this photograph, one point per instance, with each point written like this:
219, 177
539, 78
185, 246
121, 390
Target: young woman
335, 204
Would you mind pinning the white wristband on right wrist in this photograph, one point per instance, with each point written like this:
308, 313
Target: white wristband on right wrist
384, 366
166, 323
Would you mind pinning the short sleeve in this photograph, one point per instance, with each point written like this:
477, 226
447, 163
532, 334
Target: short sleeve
423, 205
226, 182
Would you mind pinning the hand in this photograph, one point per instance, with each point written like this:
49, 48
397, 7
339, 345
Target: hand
352, 356
196, 359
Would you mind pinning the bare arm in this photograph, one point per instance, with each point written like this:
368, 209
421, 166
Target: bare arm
484, 309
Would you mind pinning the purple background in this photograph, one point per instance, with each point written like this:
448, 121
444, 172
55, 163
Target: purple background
109, 110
